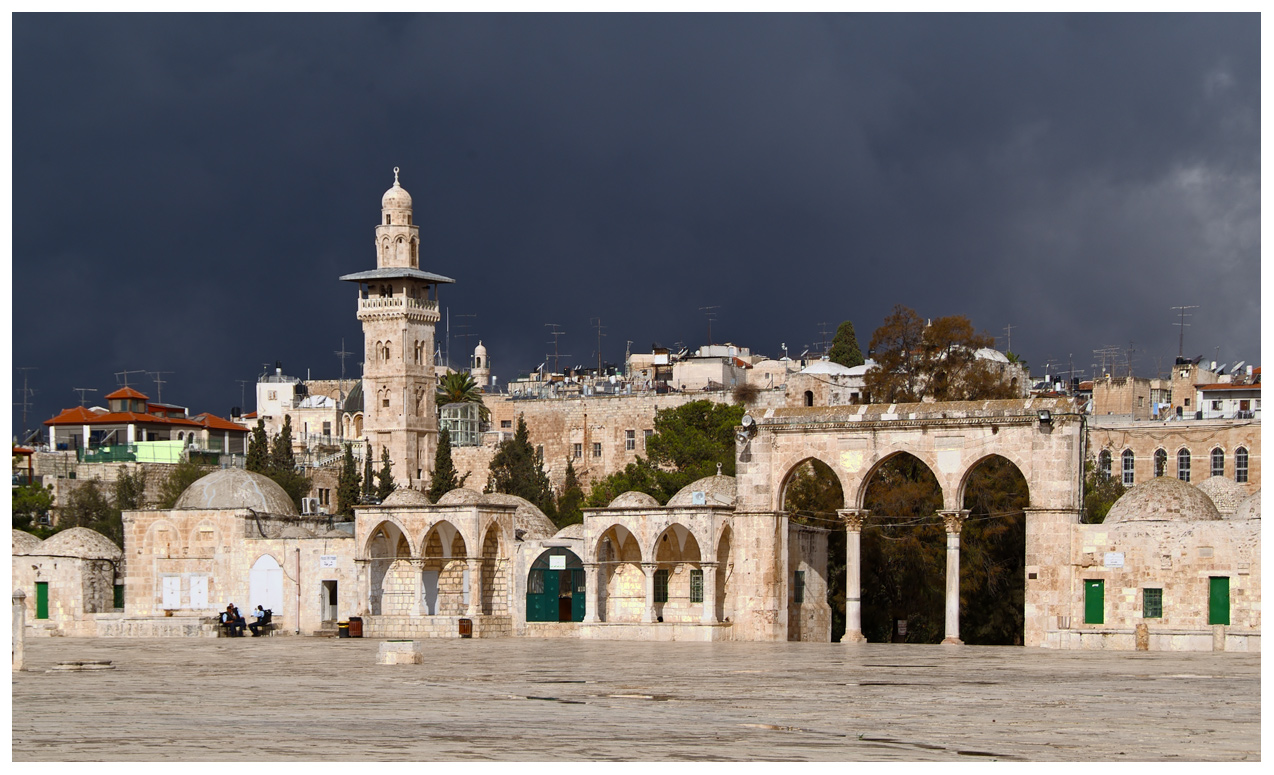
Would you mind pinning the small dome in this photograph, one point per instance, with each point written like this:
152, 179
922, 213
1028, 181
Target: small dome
527, 518
396, 198
571, 531
234, 488
1248, 508
461, 496
480, 350
80, 542
405, 496
826, 367
1162, 498
1225, 493
717, 490
24, 542
634, 500
989, 354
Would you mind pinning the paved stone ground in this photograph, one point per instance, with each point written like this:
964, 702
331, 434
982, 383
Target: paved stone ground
289, 698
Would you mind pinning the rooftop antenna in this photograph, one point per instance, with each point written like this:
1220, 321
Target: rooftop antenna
1181, 344
341, 353
822, 345
467, 333
82, 391
710, 313
555, 330
26, 394
159, 384
124, 376
242, 391
597, 324
1008, 338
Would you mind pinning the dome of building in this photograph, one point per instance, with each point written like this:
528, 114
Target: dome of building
293, 531
1248, 508
989, 354
1163, 498
826, 367
405, 496
1226, 494
234, 488
24, 542
571, 531
396, 198
528, 518
862, 368
634, 500
461, 496
717, 490
80, 542
480, 350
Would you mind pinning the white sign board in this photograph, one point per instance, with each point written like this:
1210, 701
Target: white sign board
1114, 560
698, 498
327, 561
557, 562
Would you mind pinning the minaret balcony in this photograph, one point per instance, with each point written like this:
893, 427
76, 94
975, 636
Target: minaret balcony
389, 306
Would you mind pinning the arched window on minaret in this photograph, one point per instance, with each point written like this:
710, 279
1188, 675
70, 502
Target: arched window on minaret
415, 259
388, 345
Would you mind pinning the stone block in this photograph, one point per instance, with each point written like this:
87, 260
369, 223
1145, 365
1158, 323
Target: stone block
400, 652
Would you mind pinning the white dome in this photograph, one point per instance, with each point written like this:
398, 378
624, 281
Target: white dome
480, 350
396, 198
988, 354
235, 488
717, 490
826, 367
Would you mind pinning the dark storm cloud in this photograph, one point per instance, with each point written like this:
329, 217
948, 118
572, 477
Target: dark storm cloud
188, 188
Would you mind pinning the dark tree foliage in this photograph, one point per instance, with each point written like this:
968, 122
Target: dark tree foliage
571, 499
688, 443
385, 476
179, 478
746, 393
129, 490
258, 459
283, 469
937, 361
369, 478
460, 388
993, 555
347, 484
444, 478
517, 470
87, 506
812, 497
30, 503
845, 347
1101, 490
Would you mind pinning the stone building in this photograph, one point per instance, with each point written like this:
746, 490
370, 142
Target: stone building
1190, 450
71, 579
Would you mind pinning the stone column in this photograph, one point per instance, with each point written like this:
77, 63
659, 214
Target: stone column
19, 628
709, 592
592, 592
853, 519
953, 520
648, 613
475, 586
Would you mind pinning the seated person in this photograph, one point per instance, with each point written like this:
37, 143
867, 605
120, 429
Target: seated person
232, 621
262, 617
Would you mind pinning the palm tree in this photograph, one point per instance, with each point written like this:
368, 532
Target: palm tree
459, 388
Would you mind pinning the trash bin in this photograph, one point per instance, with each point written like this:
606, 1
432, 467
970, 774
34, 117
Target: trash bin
466, 628
356, 626
342, 629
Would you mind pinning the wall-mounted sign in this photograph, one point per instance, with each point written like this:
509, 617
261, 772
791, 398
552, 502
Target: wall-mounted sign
698, 498
327, 561
1113, 560
557, 562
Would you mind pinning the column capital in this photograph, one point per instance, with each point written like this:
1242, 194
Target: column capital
853, 518
649, 566
953, 520
708, 564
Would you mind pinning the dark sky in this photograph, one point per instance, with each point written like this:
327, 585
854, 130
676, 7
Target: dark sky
188, 188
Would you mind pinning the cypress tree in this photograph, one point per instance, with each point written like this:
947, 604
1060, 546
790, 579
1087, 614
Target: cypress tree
385, 477
347, 488
369, 480
444, 478
517, 470
845, 347
258, 460
568, 505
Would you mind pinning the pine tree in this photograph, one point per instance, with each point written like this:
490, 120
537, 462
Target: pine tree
347, 484
282, 466
444, 478
517, 470
281, 457
568, 505
845, 347
258, 450
385, 477
369, 479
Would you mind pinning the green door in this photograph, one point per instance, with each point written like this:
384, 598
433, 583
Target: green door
1094, 601
577, 596
42, 600
1219, 600
541, 596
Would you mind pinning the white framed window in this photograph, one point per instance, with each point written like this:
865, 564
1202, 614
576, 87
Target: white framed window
630, 440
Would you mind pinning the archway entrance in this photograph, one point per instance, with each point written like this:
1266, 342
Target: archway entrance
993, 554
555, 587
812, 495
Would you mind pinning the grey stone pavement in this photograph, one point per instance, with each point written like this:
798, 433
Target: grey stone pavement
521, 699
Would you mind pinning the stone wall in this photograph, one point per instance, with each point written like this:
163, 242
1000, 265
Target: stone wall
810, 620
1200, 437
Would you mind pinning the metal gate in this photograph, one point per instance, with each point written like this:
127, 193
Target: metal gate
555, 587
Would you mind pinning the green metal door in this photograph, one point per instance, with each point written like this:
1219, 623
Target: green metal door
119, 595
1094, 601
577, 595
42, 600
541, 596
1219, 600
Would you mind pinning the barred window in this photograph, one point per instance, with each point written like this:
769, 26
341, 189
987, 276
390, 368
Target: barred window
661, 585
1161, 462
1152, 603
1240, 465
1218, 462
798, 589
630, 440
1183, 464
577, 451
1129, 462
1103, 462
696, 586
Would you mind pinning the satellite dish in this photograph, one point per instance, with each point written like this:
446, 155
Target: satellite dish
1221, 368
1237, 366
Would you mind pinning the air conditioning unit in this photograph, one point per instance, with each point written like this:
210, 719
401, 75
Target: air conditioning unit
309, 505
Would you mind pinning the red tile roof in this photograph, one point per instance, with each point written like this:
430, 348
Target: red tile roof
213, 422
78, 416
126, 392
1227, 386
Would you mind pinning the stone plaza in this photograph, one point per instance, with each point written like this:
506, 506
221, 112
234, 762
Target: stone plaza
531, 699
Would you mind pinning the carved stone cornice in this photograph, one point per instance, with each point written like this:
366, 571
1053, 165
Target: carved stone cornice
953, 520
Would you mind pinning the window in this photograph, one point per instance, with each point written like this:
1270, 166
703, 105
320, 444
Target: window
1141, 401
1103, 462
696, 586
661, 585
630, 440
798, 589
327, 428
272, 395
1183, 464
1128, 462
388, 219
1187, 402
1216, 406
506, 423
597, 449
385, 402
809, 397
1152, 603
577, 451
1240, 465
646, 434
1218, 462
1161, 462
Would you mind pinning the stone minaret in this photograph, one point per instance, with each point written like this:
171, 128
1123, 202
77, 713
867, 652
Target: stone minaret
398, 306
481, 370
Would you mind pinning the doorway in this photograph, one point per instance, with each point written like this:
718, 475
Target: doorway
327, 604
555, 587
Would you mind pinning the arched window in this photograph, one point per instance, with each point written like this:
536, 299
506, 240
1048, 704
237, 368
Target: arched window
1128, 463
1103, 462
388, 219
1240, 465
1161, 462
809, 397
1183, 464
1218, 462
